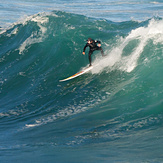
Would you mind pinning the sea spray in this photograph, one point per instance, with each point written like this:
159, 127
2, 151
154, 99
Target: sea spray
141, 36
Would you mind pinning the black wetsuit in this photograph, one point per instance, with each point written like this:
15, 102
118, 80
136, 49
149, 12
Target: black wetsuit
93, 46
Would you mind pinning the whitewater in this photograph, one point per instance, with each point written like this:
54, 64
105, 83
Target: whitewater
113, 113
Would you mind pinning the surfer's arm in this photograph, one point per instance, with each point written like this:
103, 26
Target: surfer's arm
84, 48
98, 43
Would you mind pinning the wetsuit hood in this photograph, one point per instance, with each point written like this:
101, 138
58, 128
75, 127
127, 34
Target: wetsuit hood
89, 39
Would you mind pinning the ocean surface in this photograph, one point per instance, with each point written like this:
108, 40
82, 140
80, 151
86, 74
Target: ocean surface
114, 113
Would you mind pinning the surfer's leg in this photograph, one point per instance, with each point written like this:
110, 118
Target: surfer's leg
90, 60
102, 52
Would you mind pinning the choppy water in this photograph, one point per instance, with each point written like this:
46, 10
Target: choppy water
112, 114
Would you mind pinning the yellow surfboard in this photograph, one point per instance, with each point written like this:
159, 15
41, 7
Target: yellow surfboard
77, 74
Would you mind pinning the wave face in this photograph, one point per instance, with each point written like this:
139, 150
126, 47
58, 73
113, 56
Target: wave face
114, 110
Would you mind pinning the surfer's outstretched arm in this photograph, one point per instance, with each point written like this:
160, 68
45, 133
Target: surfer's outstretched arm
84, 49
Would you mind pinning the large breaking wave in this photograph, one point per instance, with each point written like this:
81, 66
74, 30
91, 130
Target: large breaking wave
122, 96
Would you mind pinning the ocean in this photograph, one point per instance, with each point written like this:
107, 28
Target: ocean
113, 113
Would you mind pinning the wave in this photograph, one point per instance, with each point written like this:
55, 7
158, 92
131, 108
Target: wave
121, 95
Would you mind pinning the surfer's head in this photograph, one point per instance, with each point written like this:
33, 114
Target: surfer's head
89, 40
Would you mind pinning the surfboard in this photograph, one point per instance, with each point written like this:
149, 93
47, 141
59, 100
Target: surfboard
77, 74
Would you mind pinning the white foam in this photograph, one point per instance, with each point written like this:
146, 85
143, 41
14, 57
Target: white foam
68, 111
29, 41
154, 31
36, 37
13, 112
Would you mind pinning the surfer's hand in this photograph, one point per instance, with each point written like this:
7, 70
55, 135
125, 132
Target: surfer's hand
83, 53
99, 45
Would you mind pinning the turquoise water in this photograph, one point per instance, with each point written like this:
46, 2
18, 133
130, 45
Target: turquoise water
114, 113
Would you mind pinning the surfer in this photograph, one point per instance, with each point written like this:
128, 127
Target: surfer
93, 45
